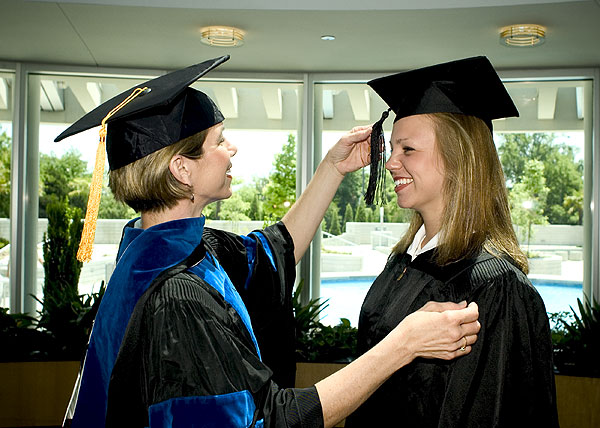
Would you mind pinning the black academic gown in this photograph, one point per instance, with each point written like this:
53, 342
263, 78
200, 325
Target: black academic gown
195, 340
506, 380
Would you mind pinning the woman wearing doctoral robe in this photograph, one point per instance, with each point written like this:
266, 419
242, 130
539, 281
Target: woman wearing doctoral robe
460, 246
193, 319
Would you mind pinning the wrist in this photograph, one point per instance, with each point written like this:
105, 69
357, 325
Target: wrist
396, 349
329, 164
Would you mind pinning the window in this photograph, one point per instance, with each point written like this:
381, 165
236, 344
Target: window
6, 115
261, 120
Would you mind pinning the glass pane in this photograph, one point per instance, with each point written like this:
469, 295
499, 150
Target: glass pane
65, 169
356, 239
261, 120
549, 138
543, 157
6, 114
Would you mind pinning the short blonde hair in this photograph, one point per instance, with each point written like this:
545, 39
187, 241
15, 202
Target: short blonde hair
476, 213
147, 184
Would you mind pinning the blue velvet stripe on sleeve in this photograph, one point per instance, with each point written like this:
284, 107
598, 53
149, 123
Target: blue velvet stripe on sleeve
251, 252
228, 410
266, 246
210, 270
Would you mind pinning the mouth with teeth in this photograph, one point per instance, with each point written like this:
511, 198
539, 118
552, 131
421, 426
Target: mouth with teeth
401, 182
228, 172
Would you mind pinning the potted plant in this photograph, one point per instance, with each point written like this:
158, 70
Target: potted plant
41, 356
576, 341
321, 350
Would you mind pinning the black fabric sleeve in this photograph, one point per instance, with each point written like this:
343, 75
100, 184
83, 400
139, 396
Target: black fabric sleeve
299, 407
267, 294
197, 345
507, 380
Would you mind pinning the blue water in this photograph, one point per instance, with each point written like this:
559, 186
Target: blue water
347, 294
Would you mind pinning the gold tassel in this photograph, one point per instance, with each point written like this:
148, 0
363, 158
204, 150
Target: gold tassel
84, 253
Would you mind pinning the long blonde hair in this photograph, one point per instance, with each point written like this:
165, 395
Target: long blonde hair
476, 215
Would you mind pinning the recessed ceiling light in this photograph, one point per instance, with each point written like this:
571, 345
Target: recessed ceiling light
328, 37
220, 36
523, 35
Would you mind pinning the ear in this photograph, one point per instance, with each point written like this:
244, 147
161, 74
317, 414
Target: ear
178, 165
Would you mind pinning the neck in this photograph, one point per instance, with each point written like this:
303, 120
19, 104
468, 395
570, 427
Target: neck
432, 225
183, 209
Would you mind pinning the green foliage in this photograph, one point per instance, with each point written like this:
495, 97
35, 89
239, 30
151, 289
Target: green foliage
576, 340
360, 214
5, 156
563, 175
3, 242
65, 313
111, 208
65, 321
19, 339
234, 209
528, 198
318, 342
348, 215
61, 178
351, 188
280, 193
332, 220
306, 316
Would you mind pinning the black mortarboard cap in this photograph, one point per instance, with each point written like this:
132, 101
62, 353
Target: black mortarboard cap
467, 86
165, 113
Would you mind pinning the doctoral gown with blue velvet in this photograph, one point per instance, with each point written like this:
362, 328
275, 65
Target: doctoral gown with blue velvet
506, 380
195, 330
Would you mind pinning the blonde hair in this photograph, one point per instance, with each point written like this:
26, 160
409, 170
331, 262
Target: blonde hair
476, 214
147, 184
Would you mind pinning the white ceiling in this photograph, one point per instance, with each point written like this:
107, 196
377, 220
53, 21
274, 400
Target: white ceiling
284, 36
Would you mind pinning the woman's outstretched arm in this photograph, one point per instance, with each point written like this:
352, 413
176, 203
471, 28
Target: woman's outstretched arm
350, 153
438, 330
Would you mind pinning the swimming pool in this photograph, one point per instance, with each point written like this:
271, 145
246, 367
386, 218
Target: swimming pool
346, 295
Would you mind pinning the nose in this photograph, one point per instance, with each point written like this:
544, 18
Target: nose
232, 148
393, 163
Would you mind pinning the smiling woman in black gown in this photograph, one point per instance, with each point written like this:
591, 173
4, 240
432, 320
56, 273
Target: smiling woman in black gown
460, 246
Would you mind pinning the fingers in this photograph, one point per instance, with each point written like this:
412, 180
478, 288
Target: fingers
471, 328
467, 315
361, 128
358, 134
443, 306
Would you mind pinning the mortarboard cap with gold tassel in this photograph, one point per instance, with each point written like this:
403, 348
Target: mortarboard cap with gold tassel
139, 122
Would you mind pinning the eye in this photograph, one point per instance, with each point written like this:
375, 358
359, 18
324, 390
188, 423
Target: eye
407, 149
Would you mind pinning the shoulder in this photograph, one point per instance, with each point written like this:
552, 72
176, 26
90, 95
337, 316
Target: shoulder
499, 278
489, 267
184, 289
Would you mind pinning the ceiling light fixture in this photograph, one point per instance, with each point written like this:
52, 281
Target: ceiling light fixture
221, 36
328, 37
523, 35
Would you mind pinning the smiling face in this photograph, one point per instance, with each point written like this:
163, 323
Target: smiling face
211, 175
416, 166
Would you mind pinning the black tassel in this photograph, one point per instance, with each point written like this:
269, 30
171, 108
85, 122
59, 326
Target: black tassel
375, 194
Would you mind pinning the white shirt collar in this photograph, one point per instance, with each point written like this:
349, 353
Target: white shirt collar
415, 248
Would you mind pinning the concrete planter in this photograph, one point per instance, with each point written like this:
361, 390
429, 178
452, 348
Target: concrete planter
307, 374
549, 265
35, 393
341, 263
578, 401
